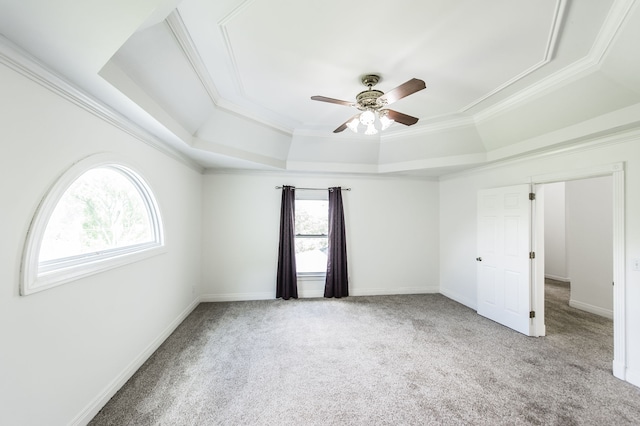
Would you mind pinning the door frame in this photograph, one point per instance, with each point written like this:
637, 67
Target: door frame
616, 170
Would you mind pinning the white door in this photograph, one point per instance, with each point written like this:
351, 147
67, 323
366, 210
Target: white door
504, 266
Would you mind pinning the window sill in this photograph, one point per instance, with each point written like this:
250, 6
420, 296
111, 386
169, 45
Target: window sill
311, 276
61, 276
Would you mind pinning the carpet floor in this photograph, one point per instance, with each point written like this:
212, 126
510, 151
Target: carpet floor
379, 360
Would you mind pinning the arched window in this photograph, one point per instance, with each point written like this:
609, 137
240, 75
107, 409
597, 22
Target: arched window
99, 215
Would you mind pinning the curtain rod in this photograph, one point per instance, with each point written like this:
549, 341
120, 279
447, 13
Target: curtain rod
315, 189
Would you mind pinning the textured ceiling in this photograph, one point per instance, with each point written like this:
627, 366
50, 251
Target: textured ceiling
228, 83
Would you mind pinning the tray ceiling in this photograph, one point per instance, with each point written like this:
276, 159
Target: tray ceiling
228, 83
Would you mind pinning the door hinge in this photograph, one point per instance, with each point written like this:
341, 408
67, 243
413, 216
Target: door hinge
532, 255
532, 196
532, 314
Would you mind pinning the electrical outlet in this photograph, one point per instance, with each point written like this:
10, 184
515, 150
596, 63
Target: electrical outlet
635, 264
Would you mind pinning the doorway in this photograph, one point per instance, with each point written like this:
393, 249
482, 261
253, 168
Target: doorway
578, 241
616, 174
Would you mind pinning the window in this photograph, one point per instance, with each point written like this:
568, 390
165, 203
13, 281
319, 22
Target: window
99, 215
312, 229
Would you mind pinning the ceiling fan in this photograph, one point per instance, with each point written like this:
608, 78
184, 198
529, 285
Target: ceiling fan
372, 104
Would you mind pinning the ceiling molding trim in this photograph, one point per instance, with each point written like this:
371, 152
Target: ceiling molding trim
590, 63
427, 128
429, 163
596, 142
317, 167
229, 151
181, 34
222, 25
552, 42
615, 20
610, 123
306, 175
188, 47
28, 66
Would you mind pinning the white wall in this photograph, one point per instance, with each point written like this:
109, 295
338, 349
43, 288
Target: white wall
64, 350
458, 222
391, 226
555, 250
590, 244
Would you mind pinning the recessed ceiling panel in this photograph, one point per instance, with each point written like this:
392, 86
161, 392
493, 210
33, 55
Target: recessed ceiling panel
282, 52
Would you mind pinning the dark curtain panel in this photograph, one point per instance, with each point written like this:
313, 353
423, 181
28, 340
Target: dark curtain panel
287, 282
336, 284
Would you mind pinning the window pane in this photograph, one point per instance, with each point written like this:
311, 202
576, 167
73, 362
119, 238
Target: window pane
311, 254
312, 216
311, 220
101, 210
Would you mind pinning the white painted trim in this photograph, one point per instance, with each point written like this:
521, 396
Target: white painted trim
616, 170
552, 42
188, 47
619, 271
537, 265
587, 173
28, 66
450, 161
448, 122
89, 412
237, 297
612, 24
591, 308
242, 297
549, 152
33, 279
357, 291
632, 375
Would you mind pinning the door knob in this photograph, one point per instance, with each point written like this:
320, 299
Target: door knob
479, 259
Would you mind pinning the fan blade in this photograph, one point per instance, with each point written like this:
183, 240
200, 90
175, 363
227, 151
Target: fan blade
412, 86
401, 118
332, 101
344, 125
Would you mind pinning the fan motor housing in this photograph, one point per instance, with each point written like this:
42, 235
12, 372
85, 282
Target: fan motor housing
368, 99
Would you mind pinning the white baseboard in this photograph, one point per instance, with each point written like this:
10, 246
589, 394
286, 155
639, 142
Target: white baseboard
470, 303
237, 297
619, 370
305, 292
590, 308
391, 291
557, 278
107, 393
632, 376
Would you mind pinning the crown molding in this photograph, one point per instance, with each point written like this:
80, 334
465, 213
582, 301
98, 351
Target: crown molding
591, 63
427, 128
188, 47
579, 145
311, 174
28, 66
552, 42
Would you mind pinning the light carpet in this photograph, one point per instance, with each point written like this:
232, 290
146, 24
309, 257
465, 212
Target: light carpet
380, 360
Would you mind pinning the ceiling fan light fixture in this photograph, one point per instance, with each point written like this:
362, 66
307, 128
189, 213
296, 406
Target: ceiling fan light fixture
353, 124
372, 103
367, 118
385, 121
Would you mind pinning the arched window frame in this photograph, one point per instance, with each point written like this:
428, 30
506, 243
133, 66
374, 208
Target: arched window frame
33, 279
